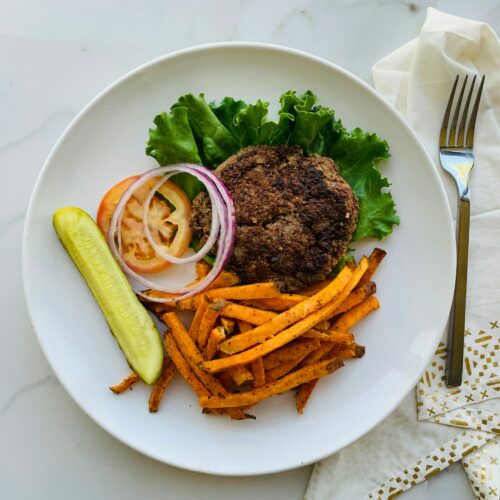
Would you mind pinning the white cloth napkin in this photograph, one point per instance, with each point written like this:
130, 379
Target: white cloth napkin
411, 445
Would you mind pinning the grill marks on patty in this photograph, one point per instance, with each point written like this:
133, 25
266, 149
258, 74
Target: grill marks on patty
295, 215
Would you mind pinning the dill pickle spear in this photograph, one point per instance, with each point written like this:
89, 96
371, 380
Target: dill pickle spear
130, 323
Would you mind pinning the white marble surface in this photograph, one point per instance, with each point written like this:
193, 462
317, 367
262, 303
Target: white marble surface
55, 55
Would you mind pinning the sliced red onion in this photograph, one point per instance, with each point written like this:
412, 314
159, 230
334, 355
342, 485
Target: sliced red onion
223, 226
217, 207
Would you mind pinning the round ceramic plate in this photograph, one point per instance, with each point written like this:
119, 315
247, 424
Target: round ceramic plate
106, 142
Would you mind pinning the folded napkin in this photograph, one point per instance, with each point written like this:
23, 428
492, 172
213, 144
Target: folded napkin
435, 425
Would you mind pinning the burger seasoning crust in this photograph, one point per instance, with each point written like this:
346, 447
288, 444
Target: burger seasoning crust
295, 215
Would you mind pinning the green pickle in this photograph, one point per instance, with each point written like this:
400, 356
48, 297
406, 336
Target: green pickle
130, 323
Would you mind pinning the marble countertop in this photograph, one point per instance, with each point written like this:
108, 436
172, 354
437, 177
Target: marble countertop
54, 57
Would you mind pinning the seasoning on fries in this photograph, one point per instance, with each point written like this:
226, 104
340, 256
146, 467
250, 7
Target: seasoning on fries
248, 343
160, 386
217, 335
125, 384
284, 384
289, 317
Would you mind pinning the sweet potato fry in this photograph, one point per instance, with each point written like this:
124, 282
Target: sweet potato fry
281, 385
346, 351
357, 296
240, 374
279, 340
316, 334
289, 352
202, 269
303, 395
245, 292
316, 355
158, 295
194, 358
323, 325
351, 264
288, 365
338, 340
224, 280
251, 315
229, 325
217, 335
159, 387
357, 313
207, 324
259, 375
280, 303
226, 380
328, 336
300, 311
157, 308
281, 370
315, 288
243, 326
127, 382
189, 351
359, 351
305, 390
342, 350
183, 366
285, 367
189, 304
374, 260
200, 312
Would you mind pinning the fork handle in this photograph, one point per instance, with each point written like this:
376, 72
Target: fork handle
456, 332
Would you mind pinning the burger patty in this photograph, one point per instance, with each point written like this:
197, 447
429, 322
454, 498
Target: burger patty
295, 215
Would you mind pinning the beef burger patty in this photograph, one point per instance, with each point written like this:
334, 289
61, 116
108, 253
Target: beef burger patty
295, 215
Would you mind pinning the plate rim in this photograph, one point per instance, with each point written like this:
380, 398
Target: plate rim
160, 60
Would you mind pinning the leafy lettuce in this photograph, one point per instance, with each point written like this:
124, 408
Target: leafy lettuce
195, 131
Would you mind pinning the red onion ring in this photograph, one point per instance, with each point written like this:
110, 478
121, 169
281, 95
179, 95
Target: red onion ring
223, 226
215, 199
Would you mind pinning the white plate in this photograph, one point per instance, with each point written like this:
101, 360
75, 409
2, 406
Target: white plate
106, 142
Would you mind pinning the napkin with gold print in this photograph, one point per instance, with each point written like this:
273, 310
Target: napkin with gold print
438, 425
473, 406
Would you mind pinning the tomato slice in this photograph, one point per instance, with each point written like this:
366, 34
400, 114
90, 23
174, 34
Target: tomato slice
169, 227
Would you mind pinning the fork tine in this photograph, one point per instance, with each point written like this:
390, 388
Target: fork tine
461, 128
444, 127
453, 128
473, 116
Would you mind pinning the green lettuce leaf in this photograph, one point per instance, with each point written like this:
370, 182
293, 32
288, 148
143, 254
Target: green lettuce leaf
290, 104
208, 133
248, 124
357, 155
215, 142
342, 263
226, 111
172, 141
308, 125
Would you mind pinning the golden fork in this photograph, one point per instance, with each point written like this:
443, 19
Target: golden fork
457, 158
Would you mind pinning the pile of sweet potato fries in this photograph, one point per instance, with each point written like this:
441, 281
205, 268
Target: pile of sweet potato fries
250, 342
